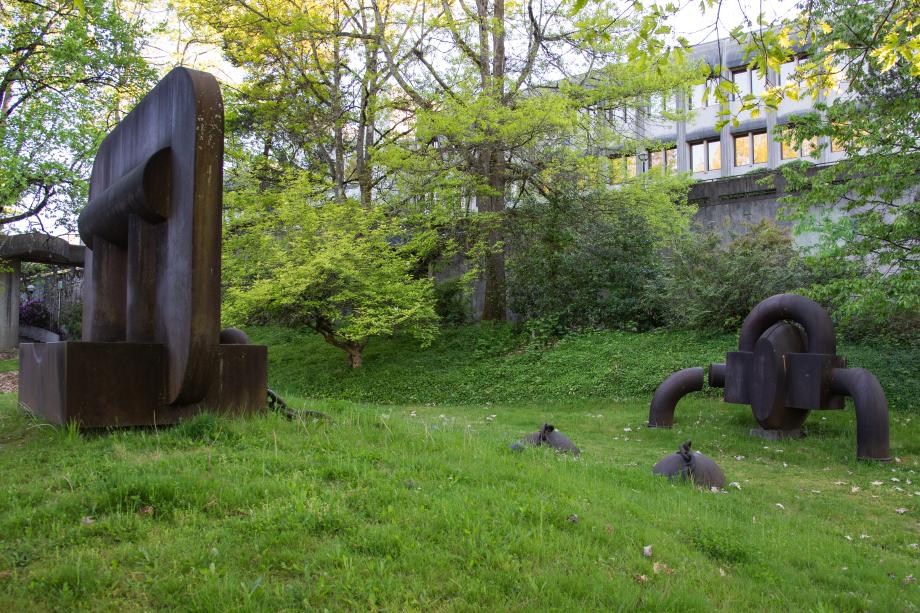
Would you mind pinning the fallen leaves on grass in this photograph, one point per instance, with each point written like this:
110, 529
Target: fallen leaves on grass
661, 567
9, 382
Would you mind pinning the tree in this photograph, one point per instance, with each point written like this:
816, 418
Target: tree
67, 70
585, 256
495, 82
866, 207
341, 269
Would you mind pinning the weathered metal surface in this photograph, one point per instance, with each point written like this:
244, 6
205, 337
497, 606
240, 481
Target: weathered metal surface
671, 390
160, 173
549, 436
871, 411
688, 465
784, 371
151, 307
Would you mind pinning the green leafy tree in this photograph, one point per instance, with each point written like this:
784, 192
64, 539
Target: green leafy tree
709, 285
343, 270
585, 257
866, 207
67, 70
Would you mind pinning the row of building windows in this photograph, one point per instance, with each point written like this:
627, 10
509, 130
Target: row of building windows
745, 78
750, 149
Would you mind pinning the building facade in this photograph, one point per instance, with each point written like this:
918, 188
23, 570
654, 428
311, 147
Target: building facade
725, 162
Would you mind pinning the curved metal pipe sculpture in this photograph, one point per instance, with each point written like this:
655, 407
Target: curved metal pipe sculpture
871, 410
784, 372
671, 390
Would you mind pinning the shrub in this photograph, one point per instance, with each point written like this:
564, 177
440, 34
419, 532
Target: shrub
34, 313
583, 260
708, 285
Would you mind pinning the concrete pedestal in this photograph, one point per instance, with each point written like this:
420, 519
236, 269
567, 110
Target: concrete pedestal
9, 304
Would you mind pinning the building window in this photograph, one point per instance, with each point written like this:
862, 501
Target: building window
751, 148
787, 70
622, 167
790, 152
705, 156
665, 159
698, 98
660, 104
748, 82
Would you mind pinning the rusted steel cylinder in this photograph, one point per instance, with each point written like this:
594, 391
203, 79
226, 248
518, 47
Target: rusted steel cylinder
716, 375
142, 191
817, 323
233, 336
671, 390
871, 411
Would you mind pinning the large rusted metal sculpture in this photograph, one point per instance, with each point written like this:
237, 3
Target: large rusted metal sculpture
152, 351
786, 365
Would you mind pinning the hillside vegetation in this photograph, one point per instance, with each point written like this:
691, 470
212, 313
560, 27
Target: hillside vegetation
480, 364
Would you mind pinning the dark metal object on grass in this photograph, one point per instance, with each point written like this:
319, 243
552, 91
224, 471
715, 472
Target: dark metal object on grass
786, 365
152, 351
692, 466
547, 435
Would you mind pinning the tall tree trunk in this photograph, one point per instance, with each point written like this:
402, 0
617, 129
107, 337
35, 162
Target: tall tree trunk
338, 113
366, 121
494, 303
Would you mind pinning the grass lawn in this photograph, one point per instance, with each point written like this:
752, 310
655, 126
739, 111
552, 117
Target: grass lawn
425, 508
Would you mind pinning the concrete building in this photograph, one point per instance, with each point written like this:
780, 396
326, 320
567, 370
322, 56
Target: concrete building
725, 162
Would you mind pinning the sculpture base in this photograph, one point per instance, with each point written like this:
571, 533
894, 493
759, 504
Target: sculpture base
777, 435
98, 385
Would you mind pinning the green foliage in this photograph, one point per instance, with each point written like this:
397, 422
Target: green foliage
66, 71
866, 207
452, 301
493, 363
425, 508
709, 285
583, 258
338, 268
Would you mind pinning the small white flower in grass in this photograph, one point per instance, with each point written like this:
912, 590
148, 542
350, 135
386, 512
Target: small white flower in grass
739, 457
785, 465
627, 429
895, 479
714, 490
848, 537
780, 506
87, 520
722, 572
898, 489
735, 484
412, 414
647, 551
854, 489
863, 536
910, 579
876, 483
914, 546
900, 510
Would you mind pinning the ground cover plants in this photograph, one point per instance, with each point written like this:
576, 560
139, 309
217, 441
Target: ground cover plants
493, 363
416, 507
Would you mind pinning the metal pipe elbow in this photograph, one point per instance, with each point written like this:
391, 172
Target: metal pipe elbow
811, 315
871, 411
671, 390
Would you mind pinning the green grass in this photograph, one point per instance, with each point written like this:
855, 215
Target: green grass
479, 364
8, 365
425, 508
